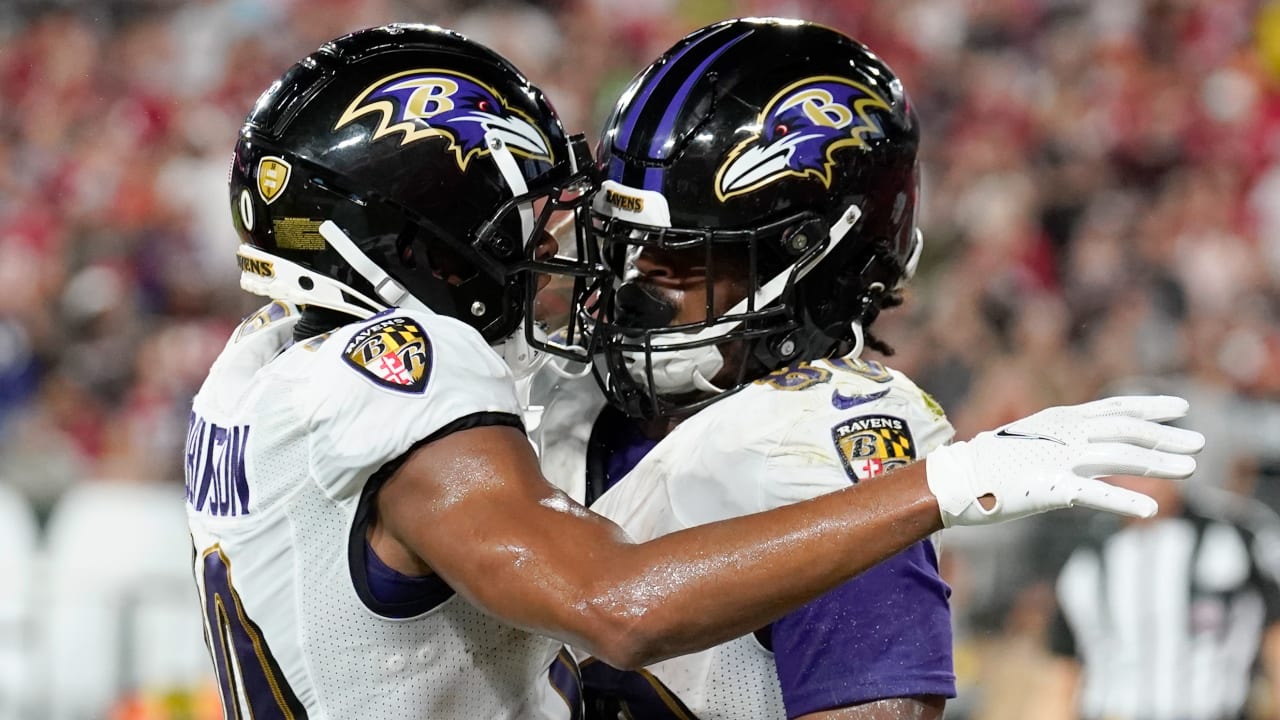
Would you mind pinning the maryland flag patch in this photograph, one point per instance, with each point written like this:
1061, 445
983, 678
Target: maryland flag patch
394, 353
873, 445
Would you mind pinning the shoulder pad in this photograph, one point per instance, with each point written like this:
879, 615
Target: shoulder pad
382, 385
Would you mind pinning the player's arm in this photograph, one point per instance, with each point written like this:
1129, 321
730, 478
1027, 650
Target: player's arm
922, 708
474, 508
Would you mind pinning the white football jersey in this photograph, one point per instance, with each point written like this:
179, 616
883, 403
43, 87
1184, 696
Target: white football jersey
798, 433
283, 442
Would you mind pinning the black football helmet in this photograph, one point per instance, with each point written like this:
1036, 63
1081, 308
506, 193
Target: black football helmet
408, 166
783, 143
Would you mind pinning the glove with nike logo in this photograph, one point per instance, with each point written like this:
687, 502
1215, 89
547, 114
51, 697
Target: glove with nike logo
1053, 460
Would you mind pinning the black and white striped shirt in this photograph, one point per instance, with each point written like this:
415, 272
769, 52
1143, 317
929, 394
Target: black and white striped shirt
1167, 617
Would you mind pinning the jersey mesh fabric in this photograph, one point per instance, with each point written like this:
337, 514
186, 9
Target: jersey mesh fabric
772, 444
290, 557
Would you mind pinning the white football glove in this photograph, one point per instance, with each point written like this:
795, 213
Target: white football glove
1051, 460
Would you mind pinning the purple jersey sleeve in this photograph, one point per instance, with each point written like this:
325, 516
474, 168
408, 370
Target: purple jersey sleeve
884, 634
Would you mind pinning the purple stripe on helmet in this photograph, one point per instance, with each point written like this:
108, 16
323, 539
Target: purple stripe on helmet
616, 166
653, 179
667, 125
633, 110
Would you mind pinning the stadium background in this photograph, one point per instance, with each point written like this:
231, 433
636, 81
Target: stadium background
1102, 201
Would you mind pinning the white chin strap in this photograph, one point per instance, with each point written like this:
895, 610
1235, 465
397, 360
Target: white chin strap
392, 293
859, 341
688, 370
510, 171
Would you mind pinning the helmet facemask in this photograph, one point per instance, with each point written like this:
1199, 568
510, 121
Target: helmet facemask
657, 359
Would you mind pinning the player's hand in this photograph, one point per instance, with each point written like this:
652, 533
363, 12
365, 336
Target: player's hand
1053, 458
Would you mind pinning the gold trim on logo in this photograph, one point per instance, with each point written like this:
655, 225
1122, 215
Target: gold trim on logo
414, 131
273, 176
857, 131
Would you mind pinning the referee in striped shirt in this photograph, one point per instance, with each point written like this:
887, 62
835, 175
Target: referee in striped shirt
1169, 618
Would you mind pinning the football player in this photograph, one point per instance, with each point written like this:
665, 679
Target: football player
372, 535
759, 211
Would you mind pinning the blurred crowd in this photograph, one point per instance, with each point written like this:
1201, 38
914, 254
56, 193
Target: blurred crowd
1102, 208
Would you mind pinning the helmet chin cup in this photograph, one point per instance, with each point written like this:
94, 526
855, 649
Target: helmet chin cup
525, 359
676, 372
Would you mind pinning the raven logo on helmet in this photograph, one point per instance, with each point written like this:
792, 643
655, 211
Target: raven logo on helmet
427, 103
799, 131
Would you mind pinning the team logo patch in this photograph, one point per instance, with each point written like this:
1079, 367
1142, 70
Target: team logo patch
873, 444
273, 176
795, 377
394, 353
435, 103
800, 129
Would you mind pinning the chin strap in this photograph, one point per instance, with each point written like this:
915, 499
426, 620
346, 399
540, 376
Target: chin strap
392, 293
859, 341
510, 171
525, 360
685, 370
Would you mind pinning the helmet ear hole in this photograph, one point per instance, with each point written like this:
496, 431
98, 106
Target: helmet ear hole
404, 248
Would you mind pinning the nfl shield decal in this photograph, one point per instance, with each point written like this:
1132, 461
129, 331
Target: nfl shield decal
873, 445
394, 353
273, 176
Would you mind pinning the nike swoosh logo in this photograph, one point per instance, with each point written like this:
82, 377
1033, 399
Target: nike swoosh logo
1027, 436
844, 402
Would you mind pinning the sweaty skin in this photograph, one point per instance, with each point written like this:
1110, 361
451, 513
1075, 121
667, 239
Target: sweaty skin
547, 564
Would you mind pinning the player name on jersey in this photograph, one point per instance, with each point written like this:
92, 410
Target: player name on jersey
216, 483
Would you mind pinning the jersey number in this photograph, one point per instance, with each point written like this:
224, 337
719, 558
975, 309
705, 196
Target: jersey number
248, 676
